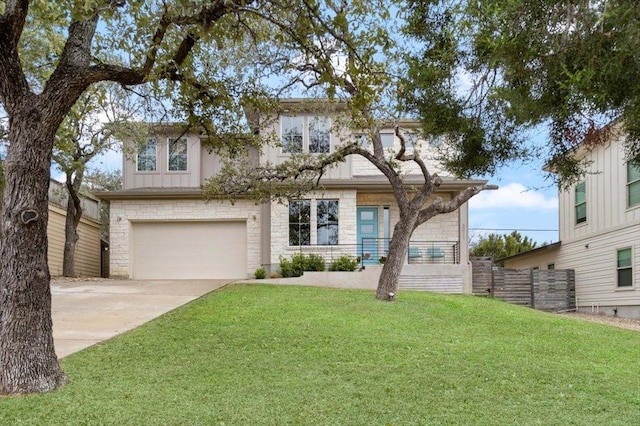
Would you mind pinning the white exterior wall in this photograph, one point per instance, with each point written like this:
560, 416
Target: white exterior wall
596, 267
591, 247
124, 212
606, 190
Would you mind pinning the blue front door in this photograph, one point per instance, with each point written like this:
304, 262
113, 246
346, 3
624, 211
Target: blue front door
368, 235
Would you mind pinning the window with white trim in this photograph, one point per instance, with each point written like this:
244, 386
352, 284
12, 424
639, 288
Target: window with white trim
625, 268
305, 134
581, 202
327, 222
633, 185
300, 223
146, 158
319, 135
177, 155
292, 128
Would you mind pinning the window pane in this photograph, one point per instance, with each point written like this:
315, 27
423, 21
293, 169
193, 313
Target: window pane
581, 213
299, 223
178, 154
625, 277
292, 134
319, 135
633, 172
366, 215
624, 258
410, 139
581, 195
387, 139
327, 218
633, 193
147, 156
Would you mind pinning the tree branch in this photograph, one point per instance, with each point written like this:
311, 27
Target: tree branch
440, 207
13, 83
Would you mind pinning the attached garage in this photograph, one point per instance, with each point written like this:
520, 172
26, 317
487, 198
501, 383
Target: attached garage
189, 250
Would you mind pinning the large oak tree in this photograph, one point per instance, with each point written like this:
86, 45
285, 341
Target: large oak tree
185, 51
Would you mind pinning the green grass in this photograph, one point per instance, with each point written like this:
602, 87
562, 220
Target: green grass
292, 355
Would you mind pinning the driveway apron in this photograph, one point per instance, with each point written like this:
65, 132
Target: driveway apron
88, 312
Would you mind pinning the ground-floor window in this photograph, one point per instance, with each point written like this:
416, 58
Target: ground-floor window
327, 222
625, 270
300, 223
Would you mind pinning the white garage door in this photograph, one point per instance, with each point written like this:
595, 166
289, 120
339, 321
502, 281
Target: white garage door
189, 250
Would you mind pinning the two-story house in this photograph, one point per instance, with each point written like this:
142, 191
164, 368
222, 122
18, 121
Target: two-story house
599, 233
162, 228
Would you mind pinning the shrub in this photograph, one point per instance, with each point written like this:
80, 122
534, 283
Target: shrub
300, 263
260, 274
345, 263
382, 259
287, 269
314, 262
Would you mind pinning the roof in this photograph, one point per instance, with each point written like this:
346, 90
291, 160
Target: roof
548, 247
376, 183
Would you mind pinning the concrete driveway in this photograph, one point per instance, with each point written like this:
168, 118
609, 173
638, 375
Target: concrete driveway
90, 311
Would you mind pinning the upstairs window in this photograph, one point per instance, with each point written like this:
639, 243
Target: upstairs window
581, 203
146, 159
327, 222
387, 139
633, 185
319, 135
300, 223
177, 155
625, 270
292, 128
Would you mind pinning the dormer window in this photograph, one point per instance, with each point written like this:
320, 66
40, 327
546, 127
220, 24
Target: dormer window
177, 155
305, 134
146, 159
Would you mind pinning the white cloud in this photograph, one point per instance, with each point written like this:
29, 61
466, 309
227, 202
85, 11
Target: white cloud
514, 195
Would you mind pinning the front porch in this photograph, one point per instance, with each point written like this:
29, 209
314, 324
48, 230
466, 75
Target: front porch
429, 266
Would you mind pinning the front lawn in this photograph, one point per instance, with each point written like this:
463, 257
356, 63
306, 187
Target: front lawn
279, 355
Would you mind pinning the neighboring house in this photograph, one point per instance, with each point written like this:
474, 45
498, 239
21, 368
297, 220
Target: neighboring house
87, 256
160, 226
599, 233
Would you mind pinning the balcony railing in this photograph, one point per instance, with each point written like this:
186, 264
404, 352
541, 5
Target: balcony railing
373, 251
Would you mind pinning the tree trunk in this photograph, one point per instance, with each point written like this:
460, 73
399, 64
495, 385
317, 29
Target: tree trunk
74, 214
28, 362
398, 247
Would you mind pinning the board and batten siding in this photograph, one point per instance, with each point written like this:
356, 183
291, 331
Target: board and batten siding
87, 257
606, 190
591, 247
162, 177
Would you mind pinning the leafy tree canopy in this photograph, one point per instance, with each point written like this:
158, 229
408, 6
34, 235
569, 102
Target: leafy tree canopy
570, 65
500, 246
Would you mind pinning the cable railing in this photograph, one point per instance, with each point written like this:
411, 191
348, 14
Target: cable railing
372, 251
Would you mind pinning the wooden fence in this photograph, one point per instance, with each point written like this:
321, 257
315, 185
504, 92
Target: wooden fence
547, 290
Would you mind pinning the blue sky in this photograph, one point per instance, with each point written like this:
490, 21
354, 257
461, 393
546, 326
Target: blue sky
525, 202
